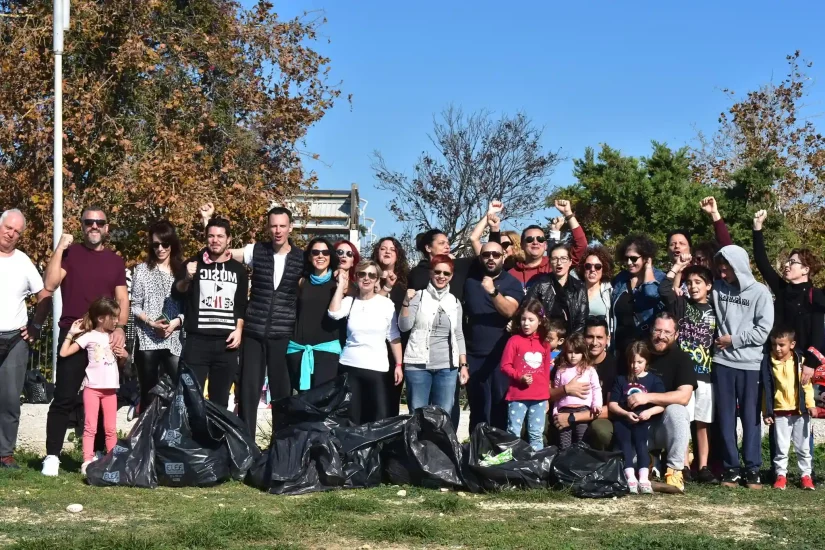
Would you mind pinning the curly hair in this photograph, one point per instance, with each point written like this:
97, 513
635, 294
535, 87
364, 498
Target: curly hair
641, 242
402, 266
808, 259
604, 257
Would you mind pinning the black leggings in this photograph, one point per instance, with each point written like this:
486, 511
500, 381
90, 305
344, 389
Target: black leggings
369, 394
149, 364
631, 439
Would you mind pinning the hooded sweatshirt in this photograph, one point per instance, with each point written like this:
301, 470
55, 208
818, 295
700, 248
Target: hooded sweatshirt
744, 310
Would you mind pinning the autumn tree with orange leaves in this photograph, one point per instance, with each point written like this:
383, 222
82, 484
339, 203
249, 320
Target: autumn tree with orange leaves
167, 104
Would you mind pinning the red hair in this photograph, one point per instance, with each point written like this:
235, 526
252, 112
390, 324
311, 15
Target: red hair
356, 257
442, 259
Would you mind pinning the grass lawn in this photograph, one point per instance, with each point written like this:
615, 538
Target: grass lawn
33, 516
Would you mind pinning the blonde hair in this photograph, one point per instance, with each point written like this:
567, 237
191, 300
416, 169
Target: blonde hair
364, 264
515, 245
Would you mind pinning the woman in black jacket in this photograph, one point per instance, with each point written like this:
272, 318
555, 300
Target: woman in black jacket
563, 297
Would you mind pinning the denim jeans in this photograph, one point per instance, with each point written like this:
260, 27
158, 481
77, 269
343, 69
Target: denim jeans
536, 412
430, 387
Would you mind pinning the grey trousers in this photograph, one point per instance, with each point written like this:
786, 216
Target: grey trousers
670, 431
12, 376
794, 428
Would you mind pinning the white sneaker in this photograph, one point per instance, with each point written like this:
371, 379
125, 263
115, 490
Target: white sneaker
51, 466
84, 466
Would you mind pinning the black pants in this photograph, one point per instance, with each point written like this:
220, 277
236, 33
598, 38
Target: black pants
260, 358
150, 365
369, 390
67, 400
393, 392
208, 357
486, 391
326, 368
631, 439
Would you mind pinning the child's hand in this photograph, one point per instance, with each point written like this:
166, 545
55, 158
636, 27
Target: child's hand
527, 379
633, 417
644, 416
76, 328
767, 420
120, 352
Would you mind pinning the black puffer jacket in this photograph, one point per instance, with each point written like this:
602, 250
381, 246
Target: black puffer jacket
271, 312
575, 295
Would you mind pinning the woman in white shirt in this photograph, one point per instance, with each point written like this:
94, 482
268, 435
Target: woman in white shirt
371, 321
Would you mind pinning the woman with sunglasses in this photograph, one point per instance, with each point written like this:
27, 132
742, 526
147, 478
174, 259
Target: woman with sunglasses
435, 351
371, 322
635, 297
796, 297
312, 354
157, 316
595, 270
348, 257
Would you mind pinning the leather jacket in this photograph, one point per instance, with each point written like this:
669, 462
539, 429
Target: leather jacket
575, 294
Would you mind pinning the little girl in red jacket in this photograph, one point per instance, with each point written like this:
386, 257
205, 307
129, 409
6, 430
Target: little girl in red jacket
526, 361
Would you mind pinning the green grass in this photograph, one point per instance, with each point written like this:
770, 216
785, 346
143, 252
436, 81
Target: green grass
234, 516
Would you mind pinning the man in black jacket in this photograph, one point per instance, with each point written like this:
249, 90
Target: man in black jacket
270, 316
564, 297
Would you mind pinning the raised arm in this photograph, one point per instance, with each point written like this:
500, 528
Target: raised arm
760, 256
720, 229
207, 212
54, 270
676, 304
487, 219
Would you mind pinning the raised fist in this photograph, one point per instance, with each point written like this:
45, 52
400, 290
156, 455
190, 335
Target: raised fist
495, 208
65, 242
207, 210
410, 294
191, 269
557, 223
391, 278
708, 204
564, 207
759, 218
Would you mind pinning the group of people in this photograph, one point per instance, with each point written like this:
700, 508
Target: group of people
535, 327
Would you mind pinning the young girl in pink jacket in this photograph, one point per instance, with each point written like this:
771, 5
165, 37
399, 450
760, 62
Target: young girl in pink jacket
575, 363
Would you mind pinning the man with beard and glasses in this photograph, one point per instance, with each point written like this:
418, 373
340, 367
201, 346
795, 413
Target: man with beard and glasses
563, 297
19, 279
84, 272
491, 298
213, 291
534, 245
669, 431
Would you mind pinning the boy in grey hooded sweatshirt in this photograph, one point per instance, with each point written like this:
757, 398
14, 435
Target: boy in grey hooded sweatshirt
744, 318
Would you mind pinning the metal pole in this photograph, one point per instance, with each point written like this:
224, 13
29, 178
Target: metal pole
60, 19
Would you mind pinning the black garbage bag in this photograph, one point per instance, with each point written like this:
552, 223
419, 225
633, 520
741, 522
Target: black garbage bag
327, 403
243, 451
360, 447
589, 473
429, 454
132, 461
182, 460
303, 461
522, 467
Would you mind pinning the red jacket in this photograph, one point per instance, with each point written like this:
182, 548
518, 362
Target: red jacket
527, 355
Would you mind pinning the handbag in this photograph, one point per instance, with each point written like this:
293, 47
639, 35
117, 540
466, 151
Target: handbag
35, 388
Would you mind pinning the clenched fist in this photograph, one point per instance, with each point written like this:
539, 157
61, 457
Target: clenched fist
191, 269
564, 207
759, 219
207, 210
65, 242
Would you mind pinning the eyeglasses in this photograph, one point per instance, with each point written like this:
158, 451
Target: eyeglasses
440, 273
90, 222
662, 332
794, 262
157, 245
592, 267
319, 252
530, 239
372, 275
342, 252
560, 261
632, 259
506, 244
491, 254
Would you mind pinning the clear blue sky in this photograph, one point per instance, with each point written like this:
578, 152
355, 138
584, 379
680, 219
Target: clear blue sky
589, 72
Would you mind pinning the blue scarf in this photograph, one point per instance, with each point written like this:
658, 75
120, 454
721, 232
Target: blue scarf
315, 280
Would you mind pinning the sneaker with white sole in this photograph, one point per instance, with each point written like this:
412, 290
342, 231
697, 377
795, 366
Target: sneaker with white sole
51, 466
646, 487
633, 486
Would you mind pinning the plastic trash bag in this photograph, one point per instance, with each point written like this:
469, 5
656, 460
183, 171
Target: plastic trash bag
590, 473
429, 455
132, 461
360, 447
495, 460
304, 461
327, 403
182, 460
243, 451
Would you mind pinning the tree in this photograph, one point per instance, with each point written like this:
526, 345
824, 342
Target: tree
167, 104
477, 159
769, 126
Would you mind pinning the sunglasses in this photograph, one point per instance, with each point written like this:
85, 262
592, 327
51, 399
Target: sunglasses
632, 259
506, 244
319, 252
441, 273
367, 275
592, 267
347, 253
90, 222
157, 245
491, 254
530, 239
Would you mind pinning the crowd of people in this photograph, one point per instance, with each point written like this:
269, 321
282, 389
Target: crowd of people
549, 342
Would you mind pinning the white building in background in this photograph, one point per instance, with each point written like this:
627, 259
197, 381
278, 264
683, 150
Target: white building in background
334, 214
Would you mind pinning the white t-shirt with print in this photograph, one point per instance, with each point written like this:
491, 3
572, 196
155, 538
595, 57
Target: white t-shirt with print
18, 279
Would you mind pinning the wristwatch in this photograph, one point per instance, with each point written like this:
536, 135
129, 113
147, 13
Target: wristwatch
494, 293
571, 418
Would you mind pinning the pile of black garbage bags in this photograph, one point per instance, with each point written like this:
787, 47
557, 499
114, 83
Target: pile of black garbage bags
183, 440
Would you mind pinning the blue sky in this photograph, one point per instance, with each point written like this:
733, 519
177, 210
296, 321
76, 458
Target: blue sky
590, 72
